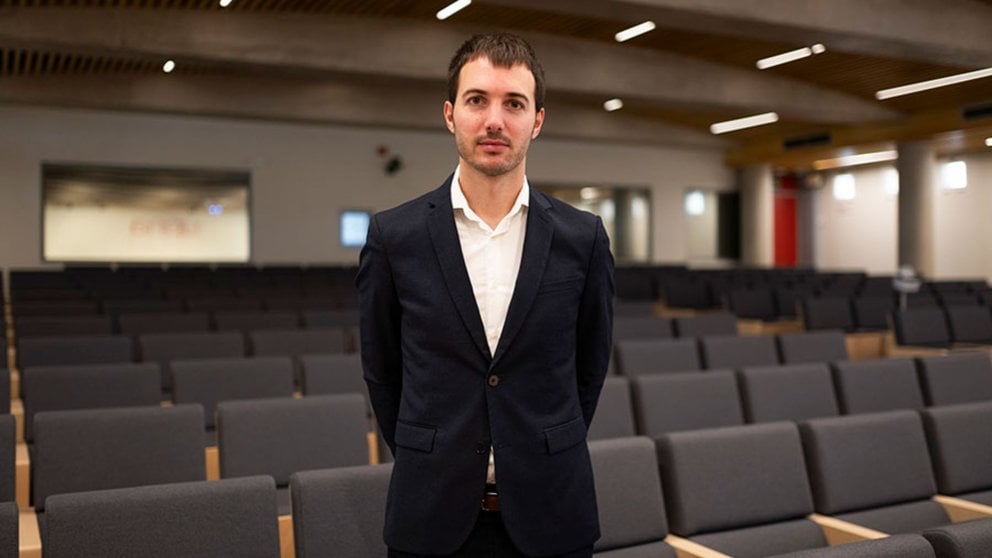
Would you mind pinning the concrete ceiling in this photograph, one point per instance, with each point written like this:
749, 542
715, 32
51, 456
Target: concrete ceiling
383, 63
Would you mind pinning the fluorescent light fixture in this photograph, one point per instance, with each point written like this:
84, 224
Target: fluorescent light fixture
225, 3
746, 122
954, 175
450, 9
855, 160
588, 193
635, 31
695, 203
988, 142
790, 56
891, 182
613, 104
844, 187
884, 94
169, 66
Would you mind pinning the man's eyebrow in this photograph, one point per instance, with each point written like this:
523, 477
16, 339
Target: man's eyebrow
512, 94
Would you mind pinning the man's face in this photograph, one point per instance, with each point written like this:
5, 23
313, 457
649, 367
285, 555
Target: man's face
494, 116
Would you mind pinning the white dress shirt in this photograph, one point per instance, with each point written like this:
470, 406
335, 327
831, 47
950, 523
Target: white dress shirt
492, 258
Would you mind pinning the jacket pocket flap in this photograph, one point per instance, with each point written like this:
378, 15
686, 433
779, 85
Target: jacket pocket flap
571, 284
411, 436
566, 435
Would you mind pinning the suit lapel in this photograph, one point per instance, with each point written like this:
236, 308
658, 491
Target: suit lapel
537, 246
444, 236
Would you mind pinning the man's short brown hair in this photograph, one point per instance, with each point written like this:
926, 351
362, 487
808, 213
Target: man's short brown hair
503, 50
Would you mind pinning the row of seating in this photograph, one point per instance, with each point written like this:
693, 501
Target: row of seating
651, 326
943, 327
58, 303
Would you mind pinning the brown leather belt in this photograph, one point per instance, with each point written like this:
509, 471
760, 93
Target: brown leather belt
490, 502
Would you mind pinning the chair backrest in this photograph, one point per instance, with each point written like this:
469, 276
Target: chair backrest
686, 401
734, 484
140, 306
76, 451
278, 437
247, 320
870, 386
721, 323
680, 293
924, 326
895, 546
641, 327
340, 512
210, 381
297, 343
8, 443
222, 304
614, 416
331, 374
754, 304
53, 326
815, 346
22, 308
732, 351
868, 461
828, 313
77, 349
969, 539
9, 527
970, 324
4, 380
628, 493
651, 356
166, 347
872, 312
793, 392
330, 318
231, 517
960, 442
956, 378
58, 388
163, 322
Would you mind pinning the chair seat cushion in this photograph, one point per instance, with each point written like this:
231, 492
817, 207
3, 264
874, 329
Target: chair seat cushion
901, 518
765, 540
652, 550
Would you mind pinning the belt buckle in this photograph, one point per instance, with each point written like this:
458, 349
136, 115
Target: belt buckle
490, 502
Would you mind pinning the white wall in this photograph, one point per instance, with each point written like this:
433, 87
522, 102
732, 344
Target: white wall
962, 248
303, 175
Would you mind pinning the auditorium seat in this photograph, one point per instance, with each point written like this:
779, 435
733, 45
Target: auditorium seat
970, 324
120, 307
969, 539
163, 322
53, 326
896, 546
685, 401
813, 346
871, 313
924, 326
5, 393
614, 416
869, 386
23, 308
340, 512
720, 323
630, 308
641, 327
222, 304
329, 318
733, 351
231, 517
960, 377
960, 443
636, 357
297, 343
278, 437
76, 349
687, 294
332, 374
63, 388
9, 526
166, 347
247, 320
8, 443
828, 313
753, 304
794, 392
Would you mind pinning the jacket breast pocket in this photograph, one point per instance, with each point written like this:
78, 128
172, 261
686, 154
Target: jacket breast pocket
566, 285
412, 436
560, 438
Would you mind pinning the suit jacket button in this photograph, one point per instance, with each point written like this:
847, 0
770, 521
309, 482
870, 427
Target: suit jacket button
493, 380
481, 448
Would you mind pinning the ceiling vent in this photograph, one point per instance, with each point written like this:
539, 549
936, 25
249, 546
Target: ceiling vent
811, 140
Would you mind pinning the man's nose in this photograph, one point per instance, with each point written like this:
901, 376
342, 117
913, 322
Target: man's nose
494, 119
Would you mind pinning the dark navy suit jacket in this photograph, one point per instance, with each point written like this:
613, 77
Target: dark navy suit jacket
442, 399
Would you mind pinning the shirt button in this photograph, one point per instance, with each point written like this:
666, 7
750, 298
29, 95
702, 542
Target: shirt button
481, 448
493, 380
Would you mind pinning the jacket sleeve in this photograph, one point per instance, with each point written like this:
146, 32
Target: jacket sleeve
594, 339
380, 332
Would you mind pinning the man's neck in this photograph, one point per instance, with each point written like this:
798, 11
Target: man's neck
490, 197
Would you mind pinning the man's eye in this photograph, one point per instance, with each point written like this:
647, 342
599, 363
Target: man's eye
516, 105
475, 100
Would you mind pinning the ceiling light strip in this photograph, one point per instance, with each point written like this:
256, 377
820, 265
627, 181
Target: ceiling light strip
452, 8
742, 123
613, 104
988, 142
911, 88
855, 160
635, 31
790, 56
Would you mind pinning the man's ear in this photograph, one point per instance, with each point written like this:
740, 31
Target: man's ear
538, 123
449, 116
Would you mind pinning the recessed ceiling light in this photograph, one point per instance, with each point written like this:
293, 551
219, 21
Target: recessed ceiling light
613, 104
911, 88
855, 160
225, 3
746, 122
450, 9
168, 66
635, 31
790, 56
988, 142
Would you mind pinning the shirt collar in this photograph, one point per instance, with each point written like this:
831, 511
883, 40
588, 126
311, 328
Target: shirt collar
458, 200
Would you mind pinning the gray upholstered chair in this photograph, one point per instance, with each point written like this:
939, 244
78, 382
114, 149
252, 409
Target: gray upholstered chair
873, 470
896, 546
969, 539
297, 343
732, 351
720, 323
753, 303
100, 449
231, 517
871, 386
813, 346
76, 349
331, 374
614, 416
93, 386
56, 326
4, 380
8, 444
316, 318
227, 303
650, 356
9, 536
739, 490
871, 313
828, 313
962, 377
924, 326
278, 437
960, 443
641, 327
340, 512
796, 392
164, 348
686, 401
248, 320
970, 324
163, 322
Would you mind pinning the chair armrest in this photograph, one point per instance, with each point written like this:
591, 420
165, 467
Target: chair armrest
838, 531
962, 510
758, 327
17, 411
373, 441
684, 548
286, 547
865, 345
22, 476
29, 538
212, 458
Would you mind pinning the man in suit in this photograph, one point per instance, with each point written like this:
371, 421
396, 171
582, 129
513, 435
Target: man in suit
486, 325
